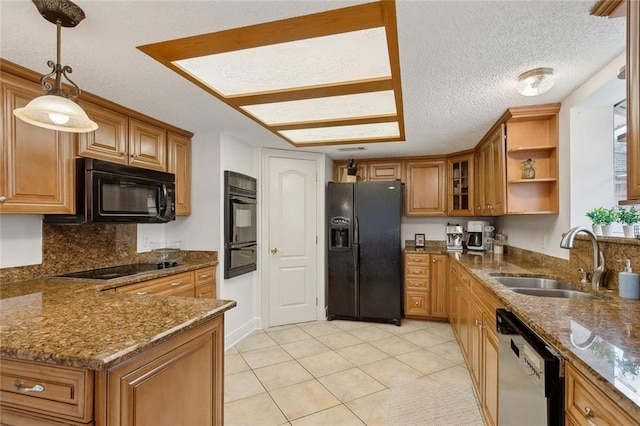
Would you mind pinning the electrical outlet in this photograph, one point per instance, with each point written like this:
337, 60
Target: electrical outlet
145, 241
544, 242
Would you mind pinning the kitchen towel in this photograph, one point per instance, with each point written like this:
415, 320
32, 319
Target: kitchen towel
419, 402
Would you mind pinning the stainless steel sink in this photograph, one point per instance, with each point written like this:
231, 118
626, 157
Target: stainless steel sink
545, 292
532, 282
542, 287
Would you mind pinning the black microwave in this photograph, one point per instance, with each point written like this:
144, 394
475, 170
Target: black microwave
117, 193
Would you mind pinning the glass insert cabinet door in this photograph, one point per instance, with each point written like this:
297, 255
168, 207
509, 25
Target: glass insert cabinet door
460, 184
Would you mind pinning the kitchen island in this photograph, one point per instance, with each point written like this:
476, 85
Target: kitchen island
71, 353
599, 338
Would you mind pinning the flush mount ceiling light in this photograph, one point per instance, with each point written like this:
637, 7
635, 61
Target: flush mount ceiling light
535, 82
55, 110
323, 79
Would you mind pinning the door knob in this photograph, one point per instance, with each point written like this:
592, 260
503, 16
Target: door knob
274, 250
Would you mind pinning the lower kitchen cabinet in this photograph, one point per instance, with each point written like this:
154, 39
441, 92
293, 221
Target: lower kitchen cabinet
587, 405
174, 285
425, 286
206, 282
179, 381
472, 318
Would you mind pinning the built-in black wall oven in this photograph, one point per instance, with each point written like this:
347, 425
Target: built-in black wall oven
240, 224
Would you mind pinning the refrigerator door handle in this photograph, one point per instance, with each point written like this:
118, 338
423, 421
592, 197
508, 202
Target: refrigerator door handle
356, 263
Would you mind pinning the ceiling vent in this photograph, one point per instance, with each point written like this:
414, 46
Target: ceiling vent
351, 149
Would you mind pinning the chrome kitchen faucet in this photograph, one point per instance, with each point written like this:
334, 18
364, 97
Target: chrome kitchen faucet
597, 279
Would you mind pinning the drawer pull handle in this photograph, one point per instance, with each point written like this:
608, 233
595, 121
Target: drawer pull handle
588, 414
176, 283
17, 385
142, 293
200, 295
205, 275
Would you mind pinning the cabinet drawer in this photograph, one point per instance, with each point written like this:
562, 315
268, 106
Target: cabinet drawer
416, 303
55, 391
416, 283
417, 271
166, 286
416, 259
206, 291
588, 405
205, 275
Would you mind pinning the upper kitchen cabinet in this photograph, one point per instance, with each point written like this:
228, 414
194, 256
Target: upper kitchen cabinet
340, 171
633, 101
460, 185
147, 145
38, 172
532, 140
490, 182
369, 170
425, 192
122, 139
179, 163
386, 170
110, 141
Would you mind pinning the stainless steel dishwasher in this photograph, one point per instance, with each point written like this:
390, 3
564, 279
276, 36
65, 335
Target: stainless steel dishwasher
530, 385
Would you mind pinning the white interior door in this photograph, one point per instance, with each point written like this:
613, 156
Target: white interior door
292, 240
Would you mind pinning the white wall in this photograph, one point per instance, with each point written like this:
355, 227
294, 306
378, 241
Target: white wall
433, 227
585, 160
20, 240
240, 157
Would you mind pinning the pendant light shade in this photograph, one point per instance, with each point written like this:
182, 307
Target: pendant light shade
55, 110
56, 113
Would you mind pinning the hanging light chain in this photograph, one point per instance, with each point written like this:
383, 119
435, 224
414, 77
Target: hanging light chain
59, 71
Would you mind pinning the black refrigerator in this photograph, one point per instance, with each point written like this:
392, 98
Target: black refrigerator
364, 251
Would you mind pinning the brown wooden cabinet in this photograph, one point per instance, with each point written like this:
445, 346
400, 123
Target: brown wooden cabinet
174, 285
490, 187
439, 294
38, 172
416, 285
206, 282
587, 405
425, 191
38, 394
179, 163
147, 145
122, 139
532, 134
460, 185
110, 141
177, 382
425, 286
473, 309
388, 170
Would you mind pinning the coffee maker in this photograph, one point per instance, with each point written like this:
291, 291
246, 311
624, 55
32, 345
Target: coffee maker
475, 234
455, 236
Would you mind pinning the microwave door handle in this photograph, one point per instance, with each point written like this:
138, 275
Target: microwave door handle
164, 202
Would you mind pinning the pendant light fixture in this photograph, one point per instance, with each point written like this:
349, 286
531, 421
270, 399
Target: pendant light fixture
56, 110
535, 82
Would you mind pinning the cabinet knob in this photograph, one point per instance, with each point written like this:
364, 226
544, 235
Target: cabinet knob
3, 199
433, 260
122, 154
416, 303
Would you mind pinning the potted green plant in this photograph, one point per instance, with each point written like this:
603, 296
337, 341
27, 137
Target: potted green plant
597, 215
609, 216
628, 217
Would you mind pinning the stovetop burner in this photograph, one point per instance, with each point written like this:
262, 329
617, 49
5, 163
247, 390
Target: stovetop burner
119, 271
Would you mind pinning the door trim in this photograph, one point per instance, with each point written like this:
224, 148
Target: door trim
263, 252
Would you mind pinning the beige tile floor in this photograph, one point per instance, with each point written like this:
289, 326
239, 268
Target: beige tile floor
333, 372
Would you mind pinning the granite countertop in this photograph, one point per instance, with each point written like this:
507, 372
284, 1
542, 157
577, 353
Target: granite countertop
70, 322
600, 337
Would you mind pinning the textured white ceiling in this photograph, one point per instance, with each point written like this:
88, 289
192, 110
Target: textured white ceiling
459, 60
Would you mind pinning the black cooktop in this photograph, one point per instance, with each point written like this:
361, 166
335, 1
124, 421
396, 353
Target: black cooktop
119, 271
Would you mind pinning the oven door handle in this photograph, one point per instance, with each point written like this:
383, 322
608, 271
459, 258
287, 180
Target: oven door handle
241, 200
